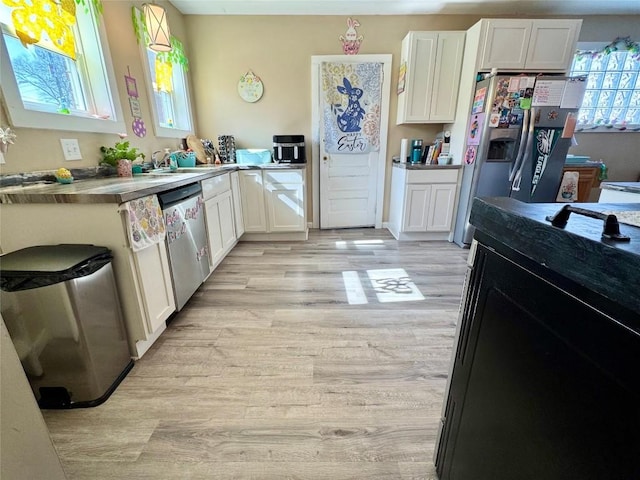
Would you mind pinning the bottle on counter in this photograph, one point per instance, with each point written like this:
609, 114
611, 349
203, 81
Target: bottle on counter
416, 151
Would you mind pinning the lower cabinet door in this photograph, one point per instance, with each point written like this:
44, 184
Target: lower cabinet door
216, 245
227, 229
253, 204
416, 207
154, 279
285, 207
440, 211
237, 204
220, 227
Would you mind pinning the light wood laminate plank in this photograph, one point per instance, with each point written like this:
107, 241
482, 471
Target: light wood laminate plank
269, 373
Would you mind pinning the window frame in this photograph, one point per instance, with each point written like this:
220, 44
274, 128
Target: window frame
159, 130
599, 128
21, 117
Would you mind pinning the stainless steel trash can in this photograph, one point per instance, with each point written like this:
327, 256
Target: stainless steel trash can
61, 308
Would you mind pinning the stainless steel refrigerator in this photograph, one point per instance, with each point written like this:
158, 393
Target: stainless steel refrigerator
519, 131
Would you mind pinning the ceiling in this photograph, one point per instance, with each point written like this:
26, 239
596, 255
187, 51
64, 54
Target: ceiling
407, 7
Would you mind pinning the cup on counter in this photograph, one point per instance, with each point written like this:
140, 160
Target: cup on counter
444, 160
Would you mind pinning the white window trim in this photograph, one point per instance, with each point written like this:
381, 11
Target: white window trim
160, 131
20, 117
601, 128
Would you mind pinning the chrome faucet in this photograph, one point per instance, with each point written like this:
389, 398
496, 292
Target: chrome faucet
164, 161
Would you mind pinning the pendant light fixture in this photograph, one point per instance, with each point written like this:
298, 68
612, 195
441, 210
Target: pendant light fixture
155, 18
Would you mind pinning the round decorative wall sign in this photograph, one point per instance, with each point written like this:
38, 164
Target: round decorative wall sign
250, 87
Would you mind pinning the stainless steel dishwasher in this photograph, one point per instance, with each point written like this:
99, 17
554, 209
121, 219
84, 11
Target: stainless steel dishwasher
183, 212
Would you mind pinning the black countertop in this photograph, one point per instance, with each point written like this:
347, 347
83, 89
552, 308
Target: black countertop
576, 252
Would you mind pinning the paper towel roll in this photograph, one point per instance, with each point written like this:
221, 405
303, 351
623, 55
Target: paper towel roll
404, 150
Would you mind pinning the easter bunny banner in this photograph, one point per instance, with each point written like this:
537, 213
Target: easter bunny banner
351, 106
351, 41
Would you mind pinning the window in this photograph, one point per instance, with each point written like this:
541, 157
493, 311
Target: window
167, 84
612, 98
62, 78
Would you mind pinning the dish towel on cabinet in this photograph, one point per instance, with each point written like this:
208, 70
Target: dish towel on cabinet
145, 225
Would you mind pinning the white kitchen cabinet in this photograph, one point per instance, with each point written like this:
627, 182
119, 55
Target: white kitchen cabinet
220, 228
284, 194
442, 199
253, 203
143, 278
432, 62
273, 204
154, 284
218, 207
532, 44
429, 208
422, 203
237, 205
417, 204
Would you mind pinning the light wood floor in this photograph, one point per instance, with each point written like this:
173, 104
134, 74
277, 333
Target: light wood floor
269, 373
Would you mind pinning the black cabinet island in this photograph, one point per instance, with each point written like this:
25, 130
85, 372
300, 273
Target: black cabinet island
545, 379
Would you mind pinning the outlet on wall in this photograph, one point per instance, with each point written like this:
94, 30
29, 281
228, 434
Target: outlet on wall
70, 149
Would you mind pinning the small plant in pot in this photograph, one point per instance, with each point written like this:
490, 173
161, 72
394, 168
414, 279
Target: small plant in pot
121, 155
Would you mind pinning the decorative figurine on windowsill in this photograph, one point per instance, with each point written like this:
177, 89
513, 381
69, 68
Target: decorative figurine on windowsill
7, 138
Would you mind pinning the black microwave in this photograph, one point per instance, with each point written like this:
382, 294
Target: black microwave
289, 149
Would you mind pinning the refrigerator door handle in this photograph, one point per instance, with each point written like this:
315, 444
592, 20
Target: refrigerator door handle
515, 186
521, 147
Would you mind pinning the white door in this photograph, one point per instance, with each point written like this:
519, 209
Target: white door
350, 185
348, 190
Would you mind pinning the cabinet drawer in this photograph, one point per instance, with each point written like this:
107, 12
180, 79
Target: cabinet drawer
432, 176
215, 185
292, 176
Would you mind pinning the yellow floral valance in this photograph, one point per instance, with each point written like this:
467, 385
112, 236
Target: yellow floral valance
45, 21
48, 23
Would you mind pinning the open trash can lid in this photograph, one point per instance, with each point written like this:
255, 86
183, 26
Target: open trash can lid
39, 266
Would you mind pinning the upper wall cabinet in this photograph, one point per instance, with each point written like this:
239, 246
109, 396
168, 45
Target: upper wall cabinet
540, 45
429, 77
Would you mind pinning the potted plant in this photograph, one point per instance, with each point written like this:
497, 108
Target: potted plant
121, 155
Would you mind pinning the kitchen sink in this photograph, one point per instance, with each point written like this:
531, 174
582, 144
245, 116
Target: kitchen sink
155, 173
204, 168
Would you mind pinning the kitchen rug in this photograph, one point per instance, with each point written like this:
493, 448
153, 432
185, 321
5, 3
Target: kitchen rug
393, 285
